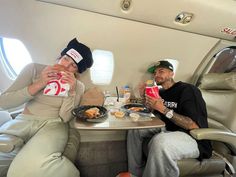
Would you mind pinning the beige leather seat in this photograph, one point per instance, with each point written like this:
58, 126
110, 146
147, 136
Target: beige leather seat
219, 92
10, 144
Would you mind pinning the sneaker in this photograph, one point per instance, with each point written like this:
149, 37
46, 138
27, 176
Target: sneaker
125, 174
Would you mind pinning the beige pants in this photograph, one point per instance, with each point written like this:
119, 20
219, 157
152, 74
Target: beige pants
41, 156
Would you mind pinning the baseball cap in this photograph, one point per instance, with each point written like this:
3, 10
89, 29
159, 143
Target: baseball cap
161, 64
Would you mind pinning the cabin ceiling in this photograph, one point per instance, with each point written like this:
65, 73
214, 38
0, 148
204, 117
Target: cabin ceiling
215, 18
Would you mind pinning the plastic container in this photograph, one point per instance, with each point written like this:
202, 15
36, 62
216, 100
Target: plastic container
127, 94
152, 90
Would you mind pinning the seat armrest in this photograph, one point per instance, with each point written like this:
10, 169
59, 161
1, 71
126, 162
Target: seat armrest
9, 142
214, 134
4, 117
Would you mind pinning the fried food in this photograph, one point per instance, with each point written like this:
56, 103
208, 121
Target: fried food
92, 113
113, 111
119, 114
136, 109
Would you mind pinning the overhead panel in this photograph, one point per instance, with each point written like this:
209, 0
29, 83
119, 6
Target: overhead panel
211, 18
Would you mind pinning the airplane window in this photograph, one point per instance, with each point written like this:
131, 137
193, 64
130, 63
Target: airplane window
13, 56
102, 70
224, 61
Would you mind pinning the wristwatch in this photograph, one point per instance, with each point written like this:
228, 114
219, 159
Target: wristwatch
169, 114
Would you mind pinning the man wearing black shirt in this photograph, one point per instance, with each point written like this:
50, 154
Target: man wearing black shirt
182, 108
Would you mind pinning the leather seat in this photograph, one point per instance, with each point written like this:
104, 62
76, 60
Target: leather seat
10, 144
219, 93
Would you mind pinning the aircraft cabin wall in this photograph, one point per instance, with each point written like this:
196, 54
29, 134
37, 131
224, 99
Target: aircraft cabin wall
45, 29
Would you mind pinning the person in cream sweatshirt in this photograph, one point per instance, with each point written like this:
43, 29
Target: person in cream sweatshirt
43, 123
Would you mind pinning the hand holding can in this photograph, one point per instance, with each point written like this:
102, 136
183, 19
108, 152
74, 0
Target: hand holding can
152, 90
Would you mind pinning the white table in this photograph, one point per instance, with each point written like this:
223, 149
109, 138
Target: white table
113, 123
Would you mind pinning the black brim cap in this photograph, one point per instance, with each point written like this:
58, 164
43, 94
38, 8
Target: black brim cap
80, 53
161, 64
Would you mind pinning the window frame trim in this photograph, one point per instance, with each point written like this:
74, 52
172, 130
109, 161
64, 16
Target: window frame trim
9, 69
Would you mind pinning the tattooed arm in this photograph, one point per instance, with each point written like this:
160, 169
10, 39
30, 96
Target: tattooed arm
180, 120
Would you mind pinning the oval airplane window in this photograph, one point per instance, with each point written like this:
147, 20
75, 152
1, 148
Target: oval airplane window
102, 70
14, 56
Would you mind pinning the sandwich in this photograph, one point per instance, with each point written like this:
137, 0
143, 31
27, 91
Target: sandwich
59, 67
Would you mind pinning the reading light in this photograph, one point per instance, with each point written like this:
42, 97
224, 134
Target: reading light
184, 17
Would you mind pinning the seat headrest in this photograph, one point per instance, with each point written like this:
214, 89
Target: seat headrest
219, 81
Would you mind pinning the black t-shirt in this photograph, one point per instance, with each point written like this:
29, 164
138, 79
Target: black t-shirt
186, 99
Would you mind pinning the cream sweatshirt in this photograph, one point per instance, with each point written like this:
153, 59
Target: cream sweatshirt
39, 104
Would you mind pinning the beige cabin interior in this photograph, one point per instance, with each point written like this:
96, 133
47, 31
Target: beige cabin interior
137, 36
